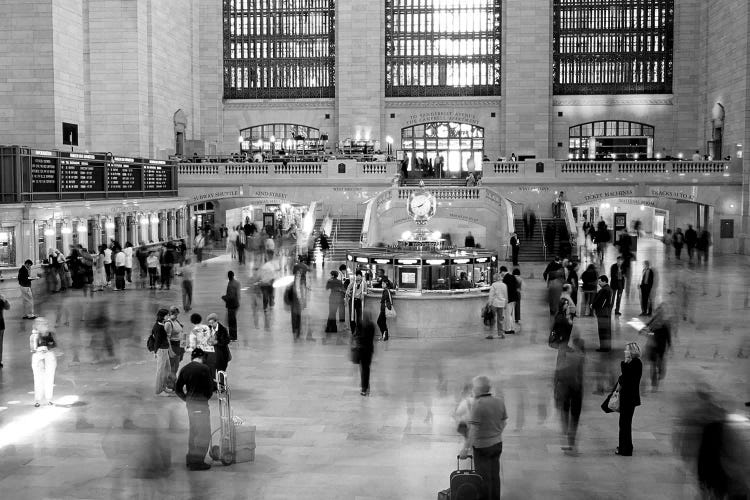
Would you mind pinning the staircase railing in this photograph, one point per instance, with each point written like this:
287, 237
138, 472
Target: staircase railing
544, 243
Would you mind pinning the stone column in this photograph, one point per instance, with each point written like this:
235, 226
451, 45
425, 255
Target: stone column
133, 228
67, 235
109, 227
171, 224
97, 228
143, 223
154, 225
50, 234
123, 230
82, 231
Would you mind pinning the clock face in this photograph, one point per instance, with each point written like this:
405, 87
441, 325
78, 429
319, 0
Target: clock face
421, 205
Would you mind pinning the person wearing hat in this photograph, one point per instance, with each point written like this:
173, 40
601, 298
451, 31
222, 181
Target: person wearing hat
163, 354
195, 386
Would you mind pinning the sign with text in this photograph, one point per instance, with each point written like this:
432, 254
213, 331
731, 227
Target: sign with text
44, 175
81, 172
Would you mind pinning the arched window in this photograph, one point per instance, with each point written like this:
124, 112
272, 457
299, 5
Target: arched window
611, 139
282, 137
445, 149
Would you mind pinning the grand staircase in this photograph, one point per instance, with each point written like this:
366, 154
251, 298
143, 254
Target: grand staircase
344, 237
532, 250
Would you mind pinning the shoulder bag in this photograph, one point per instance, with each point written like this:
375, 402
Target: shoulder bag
612, 402
390, 312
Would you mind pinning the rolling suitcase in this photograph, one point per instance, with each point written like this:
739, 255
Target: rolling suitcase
466, 484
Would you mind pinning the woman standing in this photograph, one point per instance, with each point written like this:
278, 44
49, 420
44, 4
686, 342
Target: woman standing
177, 340
163, 354
386, 302
630, 396
100, 275
43, 361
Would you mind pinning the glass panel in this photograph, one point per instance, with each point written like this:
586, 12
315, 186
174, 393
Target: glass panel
8, 246
636, 129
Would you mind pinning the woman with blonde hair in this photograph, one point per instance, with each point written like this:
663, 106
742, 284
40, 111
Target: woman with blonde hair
630, 396
43, 360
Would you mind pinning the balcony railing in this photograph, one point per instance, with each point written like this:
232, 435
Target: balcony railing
270, 170
575, 169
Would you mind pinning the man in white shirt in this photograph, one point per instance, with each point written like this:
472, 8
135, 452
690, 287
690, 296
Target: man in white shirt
108, 264
120, 270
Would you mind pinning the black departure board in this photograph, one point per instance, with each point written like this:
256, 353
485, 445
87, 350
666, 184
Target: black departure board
124, 175
157, 177
81, 173
43, 173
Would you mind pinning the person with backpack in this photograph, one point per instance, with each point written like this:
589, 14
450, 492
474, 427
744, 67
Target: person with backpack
158, 343
602, 308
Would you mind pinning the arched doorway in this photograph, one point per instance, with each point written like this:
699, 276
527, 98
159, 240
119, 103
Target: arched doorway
281, 138
457, 146
611, 140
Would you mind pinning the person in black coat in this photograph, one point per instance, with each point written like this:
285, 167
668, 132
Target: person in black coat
630, 396
660, 340
386, 302
195, 387
335, 300
221, 347
617, 276
568, 386
515, 246
602, 308
364, 340
572, 280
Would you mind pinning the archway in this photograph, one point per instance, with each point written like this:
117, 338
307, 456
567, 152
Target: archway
611, 139
447, 149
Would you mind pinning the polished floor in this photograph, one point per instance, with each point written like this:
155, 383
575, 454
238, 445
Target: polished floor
317, 438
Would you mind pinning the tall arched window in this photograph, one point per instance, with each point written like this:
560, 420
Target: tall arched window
611, 140
612, 46
279, 49
447, 149
442, 47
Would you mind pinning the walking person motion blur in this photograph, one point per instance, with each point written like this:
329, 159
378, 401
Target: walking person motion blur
519, 285
386, 304
691, 238
617, 279
43, 361
659, 332
4, 306
511, 286
167, 264
630, 396
198, 243
364, 342
187, 286
195, 386
120, 270
568, 387
668, 245
231, 300
602, 308
163, 353
24, 282
678, 240
487, 420
335, 298
702, 245
153, 269
177, 339
498, 299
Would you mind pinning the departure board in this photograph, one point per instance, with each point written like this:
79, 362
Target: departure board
81, 173
43, 172
124, 175
157, 177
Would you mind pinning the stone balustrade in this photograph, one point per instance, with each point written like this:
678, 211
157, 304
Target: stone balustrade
580, 168
270, 170
445, 193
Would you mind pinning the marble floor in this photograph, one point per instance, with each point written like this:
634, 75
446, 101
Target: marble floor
317, 438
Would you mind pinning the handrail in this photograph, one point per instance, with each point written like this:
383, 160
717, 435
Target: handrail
544, 243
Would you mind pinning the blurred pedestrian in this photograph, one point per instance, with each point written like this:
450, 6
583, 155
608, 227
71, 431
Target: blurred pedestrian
659, 331
589, 279
519, 282
515, 247
335, 300
511, 286
167, 264
617, 279
355, 295
568, 387
364, 341
4, 306
602, 308
630, 396
195, 386
386, 303
187, 286
177, 338
554, 290
43, 361
678, 240
498, 299
128, 261
153, 269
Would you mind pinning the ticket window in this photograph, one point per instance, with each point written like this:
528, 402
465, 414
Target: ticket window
408, 277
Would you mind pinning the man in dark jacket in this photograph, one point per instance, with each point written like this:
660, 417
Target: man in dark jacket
553, 266
602, 307
515, 246
232, 301
511, 283
195, 387
617, 276
24, 282
647, 285
691, 238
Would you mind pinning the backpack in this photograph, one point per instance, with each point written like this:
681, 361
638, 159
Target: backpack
151, 341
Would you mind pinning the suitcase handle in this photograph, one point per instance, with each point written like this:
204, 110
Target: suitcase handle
458, 461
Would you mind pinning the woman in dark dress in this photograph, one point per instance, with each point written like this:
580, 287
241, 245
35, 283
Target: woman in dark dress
630, 396
386, 302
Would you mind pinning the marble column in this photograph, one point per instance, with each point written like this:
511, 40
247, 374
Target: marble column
67, 235
133, 228
97, 228
109, 226
154, 220
82, 231
163, 230
171, 223
143, 225
123, 230
50, 234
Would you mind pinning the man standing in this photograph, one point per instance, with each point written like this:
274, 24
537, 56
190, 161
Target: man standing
617, 274
515, 246
120, 261
511, 284
602, 307
691, 238
355, 294
24, 281
195, 387
108, 263
232, 300
486, 423
647, 286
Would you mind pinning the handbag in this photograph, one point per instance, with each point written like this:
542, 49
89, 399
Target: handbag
612, 401
390, 313
355, 354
